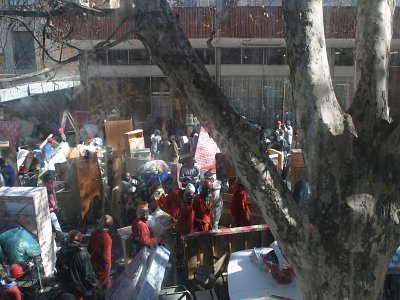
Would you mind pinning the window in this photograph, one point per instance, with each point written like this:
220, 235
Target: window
207, 56
139, 57
394, 59
117, 57
24, 51
99, 57
344, 57
231, 56
15, 3
252, 56
275, 56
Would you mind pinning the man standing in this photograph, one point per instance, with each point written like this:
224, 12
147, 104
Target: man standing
99, 248
185, 218
141, 231
173, 151
239, 207
7, 172
155, 143
202, 206
288, 136
74, 269
53, 217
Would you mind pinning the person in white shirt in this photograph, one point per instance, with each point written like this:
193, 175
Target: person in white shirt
288, 137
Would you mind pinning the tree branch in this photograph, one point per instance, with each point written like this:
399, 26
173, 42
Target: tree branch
370, 105
100, 46
68, 6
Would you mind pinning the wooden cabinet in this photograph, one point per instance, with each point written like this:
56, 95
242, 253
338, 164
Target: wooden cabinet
297, 166
115, 135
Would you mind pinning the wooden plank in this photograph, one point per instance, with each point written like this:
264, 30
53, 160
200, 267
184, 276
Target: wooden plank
115, 135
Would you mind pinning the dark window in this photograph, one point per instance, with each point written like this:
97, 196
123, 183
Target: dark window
99, 57
24, 51
117, 57
275, 56
231, 56
206, 56
394, 59
344, 57
252, 56
15, 3
139, 57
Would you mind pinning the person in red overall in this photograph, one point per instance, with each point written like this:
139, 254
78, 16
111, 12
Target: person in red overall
170, 203
202, 206
140, 229
239, 207
185, 220
99, 248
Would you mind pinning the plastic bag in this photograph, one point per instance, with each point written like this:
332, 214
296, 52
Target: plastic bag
19, 245
153, 167
159, 222
257, 257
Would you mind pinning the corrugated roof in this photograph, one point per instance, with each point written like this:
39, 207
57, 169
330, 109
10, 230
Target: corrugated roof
35, 88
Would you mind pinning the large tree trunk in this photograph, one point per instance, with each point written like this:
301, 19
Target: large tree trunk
349, 247
340, 240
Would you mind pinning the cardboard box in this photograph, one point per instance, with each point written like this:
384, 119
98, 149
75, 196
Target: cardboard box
28, 206
141, 153
277, 157
135, 139
296, 158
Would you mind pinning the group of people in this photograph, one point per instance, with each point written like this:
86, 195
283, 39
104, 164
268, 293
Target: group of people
84, 273
164, 148
284, 135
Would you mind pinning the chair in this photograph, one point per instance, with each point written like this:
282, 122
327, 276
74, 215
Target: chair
206, 276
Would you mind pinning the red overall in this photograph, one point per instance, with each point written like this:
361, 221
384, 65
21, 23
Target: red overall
13, 293
185, 221
99, 248
141, 233
239, 207
170, 203
203, 214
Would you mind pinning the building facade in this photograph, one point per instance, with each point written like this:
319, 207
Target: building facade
247, 59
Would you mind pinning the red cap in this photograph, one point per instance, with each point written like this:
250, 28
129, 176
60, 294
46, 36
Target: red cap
60, 129
50, 140
279, 122
16, 271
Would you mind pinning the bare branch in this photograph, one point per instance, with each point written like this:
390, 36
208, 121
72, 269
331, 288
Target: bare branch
68, 6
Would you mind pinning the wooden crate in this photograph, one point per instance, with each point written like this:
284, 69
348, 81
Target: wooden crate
115, 135
297, 167
280, 157
296, 175
135, 139
296, 158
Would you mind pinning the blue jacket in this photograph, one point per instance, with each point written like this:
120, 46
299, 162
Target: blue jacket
8, 175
